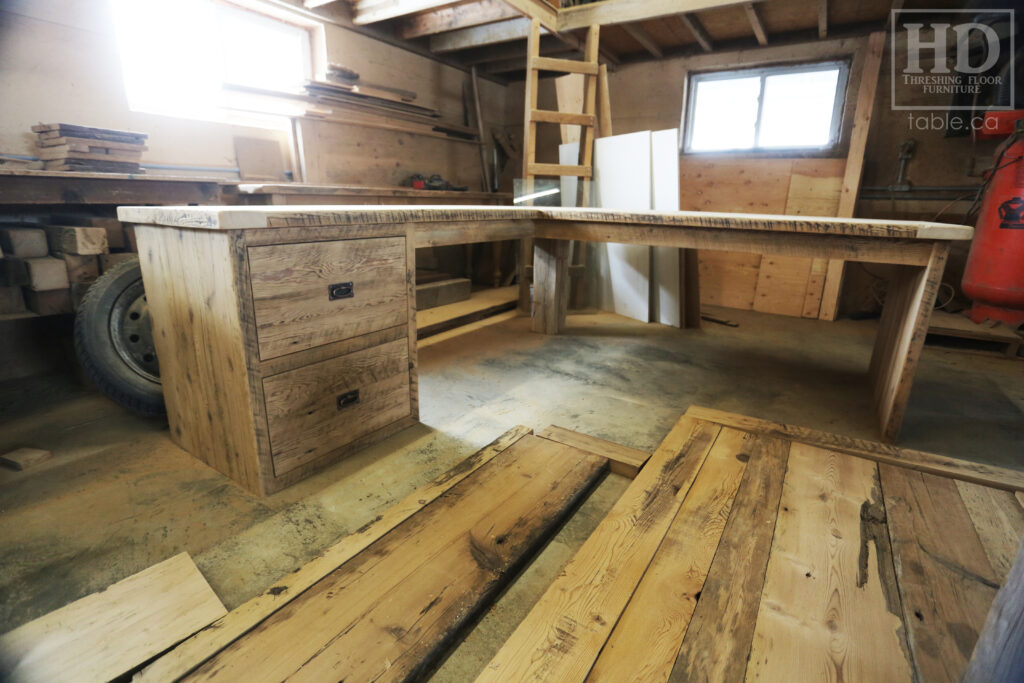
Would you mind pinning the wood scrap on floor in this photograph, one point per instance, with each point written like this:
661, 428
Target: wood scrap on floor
621, 459
109, 633
24, 458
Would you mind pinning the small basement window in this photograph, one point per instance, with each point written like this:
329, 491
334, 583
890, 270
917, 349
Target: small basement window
767, 109
204, 59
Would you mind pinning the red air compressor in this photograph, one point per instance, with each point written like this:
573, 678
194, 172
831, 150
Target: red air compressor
994, 276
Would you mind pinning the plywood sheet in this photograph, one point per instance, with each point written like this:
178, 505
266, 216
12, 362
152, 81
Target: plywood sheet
622, 178
782, 284
259, 159
728, 278
742, 185
665, 197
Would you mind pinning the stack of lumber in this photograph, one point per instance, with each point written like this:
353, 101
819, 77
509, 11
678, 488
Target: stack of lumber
359, 103
47, 267
67, 147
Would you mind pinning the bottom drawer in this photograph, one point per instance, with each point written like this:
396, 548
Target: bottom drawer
318, 408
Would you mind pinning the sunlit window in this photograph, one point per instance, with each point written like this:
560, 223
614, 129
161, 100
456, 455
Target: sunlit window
189, 58
776, 108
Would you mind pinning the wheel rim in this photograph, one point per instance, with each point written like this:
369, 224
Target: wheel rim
132, 332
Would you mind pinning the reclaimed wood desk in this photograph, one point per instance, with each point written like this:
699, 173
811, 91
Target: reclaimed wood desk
919, 249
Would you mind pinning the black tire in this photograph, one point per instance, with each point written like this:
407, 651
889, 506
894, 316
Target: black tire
113, 340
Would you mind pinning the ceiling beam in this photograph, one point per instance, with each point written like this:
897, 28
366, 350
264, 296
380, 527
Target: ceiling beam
822, 19
372, 11
540, 10
548, 46
478, 36
623, 11
645, 39
697, 29
755, 23
469, 15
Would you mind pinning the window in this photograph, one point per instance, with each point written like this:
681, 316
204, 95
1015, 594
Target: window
191, 58
768, 109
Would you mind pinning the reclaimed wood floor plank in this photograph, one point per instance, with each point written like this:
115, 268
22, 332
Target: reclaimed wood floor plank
107, 634
717, 642
931, 463
999, 520
646, 639
389, 613
830, 607
221, 633
561, 637
621, 459
946, 581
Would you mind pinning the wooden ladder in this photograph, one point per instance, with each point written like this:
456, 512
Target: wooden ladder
535, 63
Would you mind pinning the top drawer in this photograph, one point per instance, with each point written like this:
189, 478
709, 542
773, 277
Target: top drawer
315, 293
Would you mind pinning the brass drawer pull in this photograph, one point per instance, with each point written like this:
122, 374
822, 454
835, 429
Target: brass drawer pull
348, 398
340, 290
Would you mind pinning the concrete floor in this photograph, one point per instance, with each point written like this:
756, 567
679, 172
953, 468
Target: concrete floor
118, 496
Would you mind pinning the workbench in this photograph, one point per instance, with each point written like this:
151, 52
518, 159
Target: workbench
919, 249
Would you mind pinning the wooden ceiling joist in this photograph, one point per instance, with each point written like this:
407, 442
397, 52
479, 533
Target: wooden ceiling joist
755, 23
693, 24
479, 36
645, 39
540, 10
372, 11
822, 19
471, 14
624, 11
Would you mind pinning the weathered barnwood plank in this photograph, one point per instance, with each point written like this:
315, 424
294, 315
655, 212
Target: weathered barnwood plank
107, 634
978, 473
644, 643
830, 607
390, 612
999, 520
717, 642
621, 459
221, 633
563, 634
946, 582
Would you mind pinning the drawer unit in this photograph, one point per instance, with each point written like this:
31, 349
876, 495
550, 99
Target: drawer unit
283, 349
322, 406
309, 294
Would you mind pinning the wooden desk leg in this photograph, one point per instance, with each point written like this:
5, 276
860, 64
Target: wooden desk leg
689, 284
901, 332
525, 258
550, 285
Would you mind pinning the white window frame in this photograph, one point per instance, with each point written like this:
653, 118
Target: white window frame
835, 128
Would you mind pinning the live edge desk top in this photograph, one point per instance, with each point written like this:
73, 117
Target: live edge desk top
920, 247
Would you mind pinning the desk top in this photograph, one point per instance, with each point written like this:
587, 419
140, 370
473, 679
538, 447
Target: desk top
259, 217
